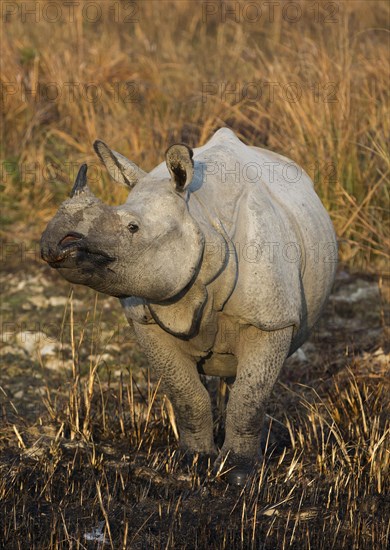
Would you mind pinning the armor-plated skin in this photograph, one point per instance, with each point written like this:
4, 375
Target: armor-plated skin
223, 258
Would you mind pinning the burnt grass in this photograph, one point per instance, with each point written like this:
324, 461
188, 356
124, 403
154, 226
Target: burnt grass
89, 456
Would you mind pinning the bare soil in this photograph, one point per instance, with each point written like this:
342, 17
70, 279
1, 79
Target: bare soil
88, 451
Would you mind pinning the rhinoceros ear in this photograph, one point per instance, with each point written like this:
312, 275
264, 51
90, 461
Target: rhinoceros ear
180, 165
119, 167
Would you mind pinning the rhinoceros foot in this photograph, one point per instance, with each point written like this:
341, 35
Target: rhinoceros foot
235, 470
239, 475
195, 461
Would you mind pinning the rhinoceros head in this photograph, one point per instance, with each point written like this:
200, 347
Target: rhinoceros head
148, 247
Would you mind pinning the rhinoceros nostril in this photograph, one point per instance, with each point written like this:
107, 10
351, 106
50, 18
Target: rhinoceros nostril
69, 238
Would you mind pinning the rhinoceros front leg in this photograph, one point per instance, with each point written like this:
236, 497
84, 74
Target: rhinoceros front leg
260, 358
181, 383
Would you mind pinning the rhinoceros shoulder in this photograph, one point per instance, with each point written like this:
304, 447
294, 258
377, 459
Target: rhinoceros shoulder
213, 287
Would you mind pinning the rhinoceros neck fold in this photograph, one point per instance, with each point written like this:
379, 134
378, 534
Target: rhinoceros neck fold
214, 282
182, 317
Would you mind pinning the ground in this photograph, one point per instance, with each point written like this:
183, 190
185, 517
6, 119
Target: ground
88, 448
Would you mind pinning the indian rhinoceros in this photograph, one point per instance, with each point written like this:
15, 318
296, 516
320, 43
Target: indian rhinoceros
223, 258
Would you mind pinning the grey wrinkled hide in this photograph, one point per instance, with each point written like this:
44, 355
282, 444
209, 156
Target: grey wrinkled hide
222, 258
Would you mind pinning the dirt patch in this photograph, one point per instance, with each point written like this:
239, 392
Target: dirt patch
88, 451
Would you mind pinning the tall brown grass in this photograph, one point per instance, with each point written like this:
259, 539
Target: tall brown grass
309, 81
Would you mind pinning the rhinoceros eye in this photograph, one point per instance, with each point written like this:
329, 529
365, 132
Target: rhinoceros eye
133, 227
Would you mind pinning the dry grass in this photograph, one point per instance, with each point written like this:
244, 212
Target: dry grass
100, 467
329, 490
315, 89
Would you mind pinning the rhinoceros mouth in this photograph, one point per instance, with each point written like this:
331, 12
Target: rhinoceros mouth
74, 255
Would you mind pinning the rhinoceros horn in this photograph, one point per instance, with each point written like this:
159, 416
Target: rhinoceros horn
81, 181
